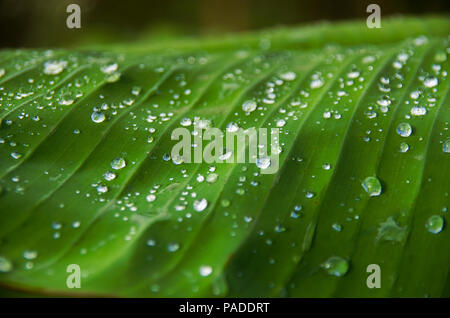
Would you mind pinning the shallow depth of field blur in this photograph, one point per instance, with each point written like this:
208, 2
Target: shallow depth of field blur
42, 23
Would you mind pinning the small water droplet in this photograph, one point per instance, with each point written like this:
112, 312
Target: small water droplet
446, 146
404, 147
29, 254
5, 265
173, 247
205, 270
288, 76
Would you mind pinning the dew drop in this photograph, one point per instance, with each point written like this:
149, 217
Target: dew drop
5, 265
372, 186
430, 81
29, 255
249, 106
173, 247
446, 146
54, 67
205, 270
150, 198
418, 111
435, 224
404, 147
109, 176
97, 117
404, 129
288, 76
200, 205
118, 163
102, 188
263, 162
336, 266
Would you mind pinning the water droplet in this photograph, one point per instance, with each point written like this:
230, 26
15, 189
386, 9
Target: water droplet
16, 155
316, 83
211, 178
118, 163
326, 166
225, 203
200, 205
232, 127
336, 266
109, 176
97, 117
263, 162
404, 129
150, 198
337, 227
109, 69
418, 111
54, 67
430, 81
372, 186
205, 270
288, 76
185, 122
173, 247
249, 106
5, 265
435, 224
29, 254
102, 188
309, 194
281, 122
404, 147
446, 146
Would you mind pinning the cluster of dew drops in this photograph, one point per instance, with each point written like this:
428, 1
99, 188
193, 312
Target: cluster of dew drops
421, 101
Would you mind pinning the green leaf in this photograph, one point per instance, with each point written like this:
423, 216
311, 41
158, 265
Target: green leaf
86, 176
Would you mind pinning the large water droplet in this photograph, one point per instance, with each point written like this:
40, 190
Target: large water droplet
336, 266
54, 67
249, 106
97, 117
435, 224
118, 163
404, 129
200, 205
372, 186
430, 81
263, 162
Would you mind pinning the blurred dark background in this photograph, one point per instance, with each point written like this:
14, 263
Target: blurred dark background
39, 23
